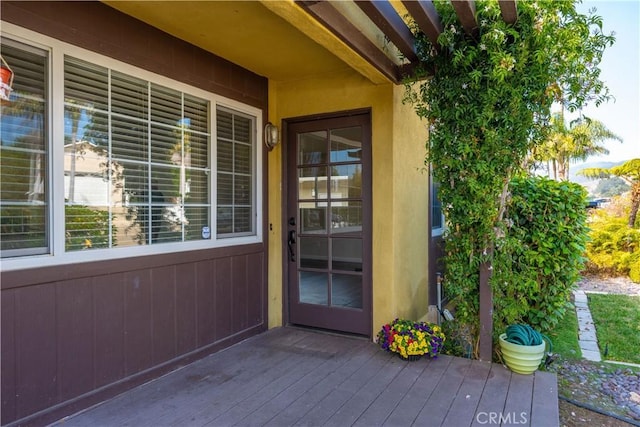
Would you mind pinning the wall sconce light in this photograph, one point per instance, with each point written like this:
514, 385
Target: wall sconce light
271, 135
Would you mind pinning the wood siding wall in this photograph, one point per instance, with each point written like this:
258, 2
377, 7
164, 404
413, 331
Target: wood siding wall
74, 335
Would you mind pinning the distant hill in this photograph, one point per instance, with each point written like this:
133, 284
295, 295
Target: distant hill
579, 179
589, 184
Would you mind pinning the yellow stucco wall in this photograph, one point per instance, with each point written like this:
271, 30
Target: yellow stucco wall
400, 191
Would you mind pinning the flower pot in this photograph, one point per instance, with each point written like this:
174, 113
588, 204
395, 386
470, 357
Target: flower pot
521, 359
411, 357
6, 82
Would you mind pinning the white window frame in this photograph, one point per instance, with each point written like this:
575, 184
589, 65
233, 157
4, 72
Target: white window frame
57, 50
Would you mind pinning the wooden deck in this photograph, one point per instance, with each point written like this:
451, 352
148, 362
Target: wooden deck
290, 376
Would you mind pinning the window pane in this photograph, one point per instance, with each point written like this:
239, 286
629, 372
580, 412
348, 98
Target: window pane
313, 148
131, 212
241, 129
166, 105
346, 181
24, 154
225, 156
86, 178
86, 85
129, 96
86, 227
197, 187
312, 183
224, 220
346, 254
235, 177
129, 139
346, 145
167, 145
167, 182
95, 129
198, 227
242, 158
314, 252
436, 206
346, 217
313, 219
242, 190
225, 189
224, 124
314, 288
197, 150
242, 222
197, 112
346, 290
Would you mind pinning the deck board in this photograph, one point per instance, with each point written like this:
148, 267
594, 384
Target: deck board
545, 389
463, 408
517, 408
291, 376
408, 409
493, 396
436, 408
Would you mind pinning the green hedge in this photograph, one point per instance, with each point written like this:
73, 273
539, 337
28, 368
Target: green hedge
538, 262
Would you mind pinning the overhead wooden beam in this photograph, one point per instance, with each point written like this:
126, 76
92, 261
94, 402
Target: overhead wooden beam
428, 20
340, 26
466, 11
382, 13
509, 11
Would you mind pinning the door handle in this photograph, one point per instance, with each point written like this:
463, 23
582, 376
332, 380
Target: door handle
290, 242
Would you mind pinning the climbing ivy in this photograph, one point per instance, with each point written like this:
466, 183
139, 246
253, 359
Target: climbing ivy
488, 103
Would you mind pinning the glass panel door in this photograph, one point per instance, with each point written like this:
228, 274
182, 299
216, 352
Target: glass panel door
329, 233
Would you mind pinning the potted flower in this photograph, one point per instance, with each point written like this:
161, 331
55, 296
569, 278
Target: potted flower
411, 340
523, 348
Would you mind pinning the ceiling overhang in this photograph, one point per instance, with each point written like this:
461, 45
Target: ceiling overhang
286, 40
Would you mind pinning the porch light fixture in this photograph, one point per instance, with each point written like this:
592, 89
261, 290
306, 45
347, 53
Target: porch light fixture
271, 135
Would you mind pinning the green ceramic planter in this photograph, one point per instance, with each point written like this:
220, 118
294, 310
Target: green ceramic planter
522, 359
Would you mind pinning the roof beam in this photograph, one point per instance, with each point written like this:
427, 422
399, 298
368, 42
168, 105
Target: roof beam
391, 24
509, 11
335, 22
466, 11
428, 20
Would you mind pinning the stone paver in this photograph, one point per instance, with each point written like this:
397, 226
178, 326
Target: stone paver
586, 329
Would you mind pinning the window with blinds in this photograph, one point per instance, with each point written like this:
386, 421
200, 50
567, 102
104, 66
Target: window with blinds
235, 173
136, 160
137, 165
24, 153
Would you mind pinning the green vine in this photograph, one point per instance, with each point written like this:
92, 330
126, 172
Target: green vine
487, 104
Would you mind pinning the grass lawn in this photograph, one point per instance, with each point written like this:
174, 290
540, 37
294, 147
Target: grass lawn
565, 336
617, 321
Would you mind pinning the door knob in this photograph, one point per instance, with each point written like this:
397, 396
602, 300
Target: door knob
290, 242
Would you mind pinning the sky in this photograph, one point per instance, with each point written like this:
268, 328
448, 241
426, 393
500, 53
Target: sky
621, 73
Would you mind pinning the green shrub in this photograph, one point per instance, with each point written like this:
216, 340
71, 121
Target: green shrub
613, 247
538, 262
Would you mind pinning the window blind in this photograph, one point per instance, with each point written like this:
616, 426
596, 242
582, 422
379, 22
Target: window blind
24, 154
150, 145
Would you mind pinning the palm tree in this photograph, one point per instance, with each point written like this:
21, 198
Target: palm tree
630, 172
577, 141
